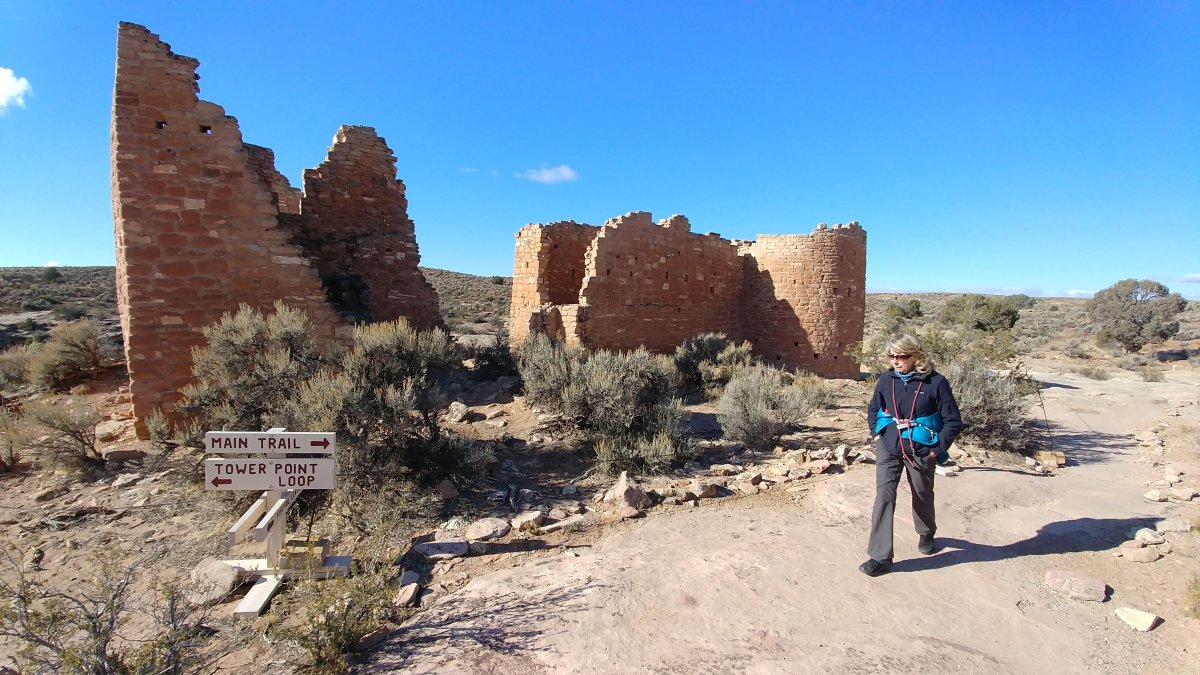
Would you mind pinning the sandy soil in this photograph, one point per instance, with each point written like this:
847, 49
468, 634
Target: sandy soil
769, 584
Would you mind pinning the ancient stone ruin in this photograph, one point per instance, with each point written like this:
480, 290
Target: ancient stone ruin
799, 299
204, 222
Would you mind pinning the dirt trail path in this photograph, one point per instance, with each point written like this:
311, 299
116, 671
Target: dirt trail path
769, 585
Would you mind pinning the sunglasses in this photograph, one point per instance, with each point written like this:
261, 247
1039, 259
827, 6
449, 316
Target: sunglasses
900, 356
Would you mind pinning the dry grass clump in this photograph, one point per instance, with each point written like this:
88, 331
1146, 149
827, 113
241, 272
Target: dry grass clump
760, 405
1093, 373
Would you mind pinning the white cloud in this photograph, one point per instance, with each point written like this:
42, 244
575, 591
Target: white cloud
1076, 293
550, 174
53, 263
12, 89
1190, 278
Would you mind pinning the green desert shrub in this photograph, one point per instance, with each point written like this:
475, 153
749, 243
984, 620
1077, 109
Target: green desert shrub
1094, 373
71, 353
814, 388
13, 437
14, 365
1151, 375
381, 399
981, 312
247, 374
336, 613
994, 404
624, 402
758, 407
546, 368
64, 432
706, 362
1133, 313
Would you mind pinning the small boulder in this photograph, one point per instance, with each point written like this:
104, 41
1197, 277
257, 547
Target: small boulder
865, 456
1148, 536
109, 431
1156, 496
1139, 620
1077, 586
125, 480
211, 581
1142, 555
577, 521
487, 528
373, 639
628, 512
703, 489
123, 455
529, 520
457, 412
442, 550
817, 465
409, 577
724, 470
1173, 525
626, 492
746, 488
407, 595
569, 490
1183, 494
823, 453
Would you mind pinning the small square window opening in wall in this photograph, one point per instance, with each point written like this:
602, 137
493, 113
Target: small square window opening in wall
206, 130
160, 124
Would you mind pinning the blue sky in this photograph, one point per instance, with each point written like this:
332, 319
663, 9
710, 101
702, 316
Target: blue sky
1044, 148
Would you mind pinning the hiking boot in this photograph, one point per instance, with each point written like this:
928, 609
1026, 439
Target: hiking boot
874, 568
927, 545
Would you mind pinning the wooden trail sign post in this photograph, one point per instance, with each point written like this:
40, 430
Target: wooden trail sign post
282, 478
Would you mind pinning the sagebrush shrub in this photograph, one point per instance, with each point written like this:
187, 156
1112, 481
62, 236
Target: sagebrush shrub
706, 362
546, 367
626, 400
66, 432
815, 388
382, 399
337, 613
71, 353
994, 404
984, 313
758, 407
14, 365
249, 370
13, 437
1094, 373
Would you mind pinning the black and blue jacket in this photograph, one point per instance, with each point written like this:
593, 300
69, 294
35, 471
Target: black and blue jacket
925, 400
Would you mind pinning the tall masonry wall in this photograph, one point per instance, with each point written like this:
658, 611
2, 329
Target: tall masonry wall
200, 222
799, 299
804, 298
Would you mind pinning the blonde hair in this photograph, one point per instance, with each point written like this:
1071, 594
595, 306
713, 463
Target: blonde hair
911, 344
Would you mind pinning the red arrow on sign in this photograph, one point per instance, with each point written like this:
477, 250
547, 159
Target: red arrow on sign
218, 482
323, 443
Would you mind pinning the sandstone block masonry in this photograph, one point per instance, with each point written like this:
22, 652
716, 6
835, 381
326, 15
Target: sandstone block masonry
799, 299
204, 222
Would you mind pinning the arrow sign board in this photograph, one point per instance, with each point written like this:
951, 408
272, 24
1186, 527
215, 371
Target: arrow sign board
316, 442
269, 474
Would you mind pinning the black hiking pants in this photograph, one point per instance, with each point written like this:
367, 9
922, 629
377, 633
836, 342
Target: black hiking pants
887, 478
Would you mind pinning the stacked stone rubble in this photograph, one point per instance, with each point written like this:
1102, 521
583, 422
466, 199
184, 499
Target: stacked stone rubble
800, 299
204, 222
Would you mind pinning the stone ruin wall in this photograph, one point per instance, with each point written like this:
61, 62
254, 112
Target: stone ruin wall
354, 227
202, 224
800, 299
805, 298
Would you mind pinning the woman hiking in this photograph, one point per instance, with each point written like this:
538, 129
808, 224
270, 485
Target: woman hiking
913, 418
